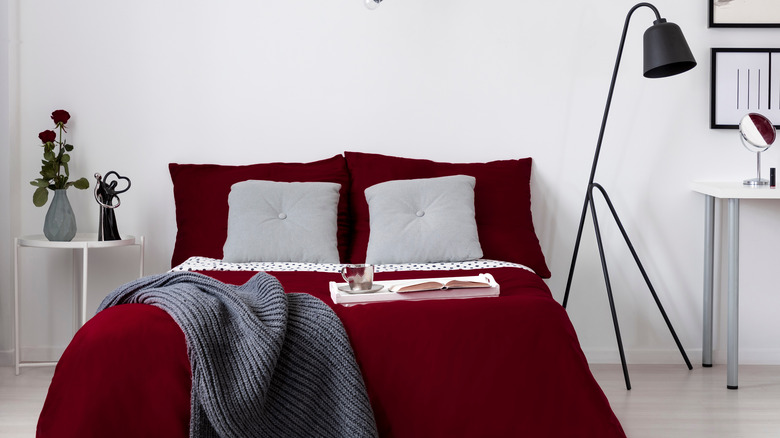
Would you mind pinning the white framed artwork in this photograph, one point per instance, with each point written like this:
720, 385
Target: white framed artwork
744, 13
744, 81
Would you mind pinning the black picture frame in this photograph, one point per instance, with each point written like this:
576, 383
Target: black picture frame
743, 81
760, 15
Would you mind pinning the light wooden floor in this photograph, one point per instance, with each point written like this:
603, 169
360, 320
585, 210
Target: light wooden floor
671, 401
665, 401
21, 400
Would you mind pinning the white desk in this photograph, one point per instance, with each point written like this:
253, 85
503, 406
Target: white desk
83, 242
733, 191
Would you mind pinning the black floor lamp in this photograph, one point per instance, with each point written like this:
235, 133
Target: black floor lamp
666, 53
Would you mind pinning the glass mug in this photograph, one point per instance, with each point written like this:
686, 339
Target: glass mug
359, 277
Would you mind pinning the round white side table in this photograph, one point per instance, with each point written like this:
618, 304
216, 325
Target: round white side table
84, 242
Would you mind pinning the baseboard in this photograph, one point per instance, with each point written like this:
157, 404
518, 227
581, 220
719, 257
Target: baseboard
32, 354
6, 358
672, 356
611, 356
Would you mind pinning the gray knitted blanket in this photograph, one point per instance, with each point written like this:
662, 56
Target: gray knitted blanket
264, 363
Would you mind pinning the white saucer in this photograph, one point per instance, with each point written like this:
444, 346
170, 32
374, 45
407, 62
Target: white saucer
375, 288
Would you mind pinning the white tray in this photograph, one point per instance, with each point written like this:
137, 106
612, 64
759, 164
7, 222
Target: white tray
384, 295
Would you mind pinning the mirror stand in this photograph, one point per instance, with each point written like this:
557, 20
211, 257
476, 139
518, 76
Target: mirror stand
757, 181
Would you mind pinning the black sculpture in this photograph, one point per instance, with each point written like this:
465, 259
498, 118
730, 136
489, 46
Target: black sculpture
105, 193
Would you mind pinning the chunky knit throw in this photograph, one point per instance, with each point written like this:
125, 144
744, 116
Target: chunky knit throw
264, 363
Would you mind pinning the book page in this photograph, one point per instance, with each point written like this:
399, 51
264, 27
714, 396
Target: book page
462, 284
428, 285
417, 287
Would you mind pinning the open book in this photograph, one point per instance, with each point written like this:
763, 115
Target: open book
427, 285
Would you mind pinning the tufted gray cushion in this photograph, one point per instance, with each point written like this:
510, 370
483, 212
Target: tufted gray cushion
422, 221
272, 221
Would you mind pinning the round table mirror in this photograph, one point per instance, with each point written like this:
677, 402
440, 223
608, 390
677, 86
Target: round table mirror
757, 134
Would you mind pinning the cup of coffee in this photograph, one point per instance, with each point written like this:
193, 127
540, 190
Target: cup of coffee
359, 277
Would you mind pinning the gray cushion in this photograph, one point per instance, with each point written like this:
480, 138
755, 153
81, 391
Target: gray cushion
422, 221
282, 222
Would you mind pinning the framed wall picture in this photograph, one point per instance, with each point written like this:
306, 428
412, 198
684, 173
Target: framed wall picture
744, 81
744, 13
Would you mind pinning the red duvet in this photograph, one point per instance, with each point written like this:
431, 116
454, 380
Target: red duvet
509, 366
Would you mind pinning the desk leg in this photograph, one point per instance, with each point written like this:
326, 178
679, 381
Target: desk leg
709, 252
733, 299
17, 355
84, 283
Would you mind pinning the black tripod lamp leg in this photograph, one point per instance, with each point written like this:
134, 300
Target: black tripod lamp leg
644, 275
609, 293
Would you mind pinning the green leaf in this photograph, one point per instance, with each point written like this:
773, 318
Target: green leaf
48, 173
67, 171
81, 183
40, 182
40, 196
65, 158
48, 155
68, 147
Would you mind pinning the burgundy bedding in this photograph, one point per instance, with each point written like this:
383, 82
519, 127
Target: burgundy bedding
486, 367
502, 202
200, 193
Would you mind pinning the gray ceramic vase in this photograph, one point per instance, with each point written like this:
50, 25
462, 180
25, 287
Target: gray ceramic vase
60, 223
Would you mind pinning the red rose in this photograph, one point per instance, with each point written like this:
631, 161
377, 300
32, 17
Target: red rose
47, 136
60, 117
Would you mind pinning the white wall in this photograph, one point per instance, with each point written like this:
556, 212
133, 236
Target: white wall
6, 164
240, 81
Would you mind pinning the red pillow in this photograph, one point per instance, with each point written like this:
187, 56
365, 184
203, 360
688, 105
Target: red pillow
502, 199
200, 192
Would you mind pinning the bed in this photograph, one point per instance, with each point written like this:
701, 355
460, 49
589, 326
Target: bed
490, 367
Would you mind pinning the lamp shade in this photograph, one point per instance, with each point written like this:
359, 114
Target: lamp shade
666, 51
